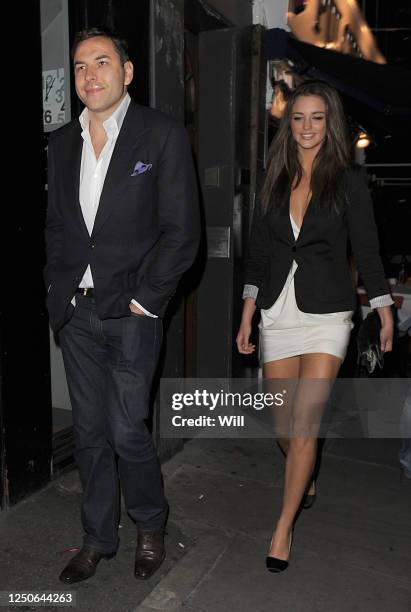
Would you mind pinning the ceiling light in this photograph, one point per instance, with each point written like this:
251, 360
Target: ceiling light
363, 140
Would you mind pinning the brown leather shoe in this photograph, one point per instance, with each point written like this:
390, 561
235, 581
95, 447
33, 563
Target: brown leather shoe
83, 565
150, 552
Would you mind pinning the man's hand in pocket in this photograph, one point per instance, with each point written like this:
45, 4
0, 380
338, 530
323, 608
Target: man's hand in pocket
136, 310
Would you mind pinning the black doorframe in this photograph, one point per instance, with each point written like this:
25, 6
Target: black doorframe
25, 408
224, 163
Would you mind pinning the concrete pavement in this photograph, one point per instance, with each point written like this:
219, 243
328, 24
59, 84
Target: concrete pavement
351, 551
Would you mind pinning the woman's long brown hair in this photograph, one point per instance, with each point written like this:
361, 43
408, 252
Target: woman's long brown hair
283, 166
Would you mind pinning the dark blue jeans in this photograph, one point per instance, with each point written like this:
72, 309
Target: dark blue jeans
110, 366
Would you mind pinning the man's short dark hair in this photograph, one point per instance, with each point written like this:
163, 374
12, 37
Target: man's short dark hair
119, 42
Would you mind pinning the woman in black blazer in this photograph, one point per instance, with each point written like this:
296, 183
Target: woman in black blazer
313, 200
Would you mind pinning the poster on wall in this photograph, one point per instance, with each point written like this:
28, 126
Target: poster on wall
54, 108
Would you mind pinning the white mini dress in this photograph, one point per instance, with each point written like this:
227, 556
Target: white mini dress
286, 331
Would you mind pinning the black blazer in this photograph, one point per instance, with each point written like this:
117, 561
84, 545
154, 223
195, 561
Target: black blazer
146, 230
322, 280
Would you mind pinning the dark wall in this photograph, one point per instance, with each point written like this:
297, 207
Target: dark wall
390, 21
25, 383
223, 154
167, 95
132, 19
239, 12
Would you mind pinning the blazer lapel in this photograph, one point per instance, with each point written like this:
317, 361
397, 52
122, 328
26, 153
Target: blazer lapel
288, 225
307, 220
131, 133
282, 220
285, 218
73, 152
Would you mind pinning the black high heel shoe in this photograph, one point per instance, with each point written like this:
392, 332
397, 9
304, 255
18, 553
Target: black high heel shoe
308, 500
276, 565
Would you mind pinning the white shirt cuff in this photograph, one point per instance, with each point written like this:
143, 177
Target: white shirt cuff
146, 312
250, 291
381, 300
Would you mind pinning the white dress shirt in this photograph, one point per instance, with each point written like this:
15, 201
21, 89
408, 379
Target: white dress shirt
93, 173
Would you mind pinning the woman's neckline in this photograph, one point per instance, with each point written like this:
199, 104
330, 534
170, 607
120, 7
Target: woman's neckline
305, 209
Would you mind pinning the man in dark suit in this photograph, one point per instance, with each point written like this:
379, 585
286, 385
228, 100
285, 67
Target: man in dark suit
122, 227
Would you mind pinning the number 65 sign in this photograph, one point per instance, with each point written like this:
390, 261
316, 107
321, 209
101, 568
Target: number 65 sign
54, 110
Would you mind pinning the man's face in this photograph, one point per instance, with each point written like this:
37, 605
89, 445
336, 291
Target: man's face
100, 77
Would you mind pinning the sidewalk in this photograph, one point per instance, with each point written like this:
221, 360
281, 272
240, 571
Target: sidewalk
351, 551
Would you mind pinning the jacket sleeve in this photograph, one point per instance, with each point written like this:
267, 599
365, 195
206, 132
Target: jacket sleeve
179, 223
363, 234
54, 223
258, 249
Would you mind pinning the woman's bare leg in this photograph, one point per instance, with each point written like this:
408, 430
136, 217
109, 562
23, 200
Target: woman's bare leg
288, 368
309, 402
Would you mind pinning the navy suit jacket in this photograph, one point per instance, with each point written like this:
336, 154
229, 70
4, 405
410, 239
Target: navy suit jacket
146, 231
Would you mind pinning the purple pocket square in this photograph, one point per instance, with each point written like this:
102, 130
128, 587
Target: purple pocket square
141, 167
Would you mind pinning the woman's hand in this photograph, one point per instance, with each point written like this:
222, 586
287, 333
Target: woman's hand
387, 328
243, 336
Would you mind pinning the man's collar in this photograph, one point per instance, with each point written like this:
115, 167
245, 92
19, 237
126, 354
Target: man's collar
115, 120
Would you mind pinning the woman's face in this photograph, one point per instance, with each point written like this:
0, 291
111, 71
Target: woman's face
308, 122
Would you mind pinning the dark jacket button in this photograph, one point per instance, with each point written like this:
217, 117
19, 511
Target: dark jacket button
294, 248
